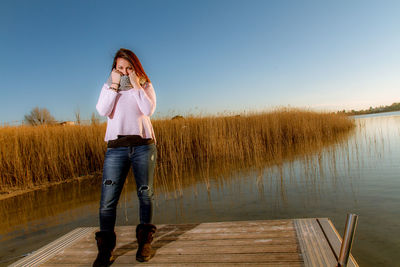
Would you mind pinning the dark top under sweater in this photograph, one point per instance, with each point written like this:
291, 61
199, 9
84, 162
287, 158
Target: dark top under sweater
129, 140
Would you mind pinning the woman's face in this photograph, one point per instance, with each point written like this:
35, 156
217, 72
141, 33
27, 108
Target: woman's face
124, 66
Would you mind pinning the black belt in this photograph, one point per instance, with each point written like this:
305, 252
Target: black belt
129, 140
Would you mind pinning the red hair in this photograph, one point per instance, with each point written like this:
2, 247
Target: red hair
134, 60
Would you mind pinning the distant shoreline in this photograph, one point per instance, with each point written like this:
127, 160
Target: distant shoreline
371, 110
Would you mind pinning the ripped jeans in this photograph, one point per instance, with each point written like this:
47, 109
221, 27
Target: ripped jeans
117, 163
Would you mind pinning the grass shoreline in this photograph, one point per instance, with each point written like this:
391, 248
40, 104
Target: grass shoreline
13, 192
33, 158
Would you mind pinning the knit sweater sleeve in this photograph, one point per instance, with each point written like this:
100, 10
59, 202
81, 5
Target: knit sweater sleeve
106, 101
146, 99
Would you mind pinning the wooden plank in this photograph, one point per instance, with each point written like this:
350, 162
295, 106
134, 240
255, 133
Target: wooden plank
195, 250
195, 243
321, 254
203, 228
219, 258
241, 229
291, 264
188, 260
233, 230
334, 239
186, 236
246, 223
234, 242
205, 264
129, 258
314, 247
48, 251
228, 249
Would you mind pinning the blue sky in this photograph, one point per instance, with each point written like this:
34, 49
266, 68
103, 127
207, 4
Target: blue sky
202, 56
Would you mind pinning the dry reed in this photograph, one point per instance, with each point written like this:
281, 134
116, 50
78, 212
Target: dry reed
32, 156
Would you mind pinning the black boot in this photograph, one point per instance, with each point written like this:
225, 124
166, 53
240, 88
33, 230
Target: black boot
145, 234
105, 244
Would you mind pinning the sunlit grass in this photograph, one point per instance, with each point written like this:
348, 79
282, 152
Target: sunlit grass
32, 156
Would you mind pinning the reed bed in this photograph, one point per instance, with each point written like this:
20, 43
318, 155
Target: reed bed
42, 155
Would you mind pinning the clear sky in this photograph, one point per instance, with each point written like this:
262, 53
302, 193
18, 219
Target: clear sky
201, 56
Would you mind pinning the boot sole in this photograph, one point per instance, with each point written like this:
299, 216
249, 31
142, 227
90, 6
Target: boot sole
143, 259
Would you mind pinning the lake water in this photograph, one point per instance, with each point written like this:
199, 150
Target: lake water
360, 175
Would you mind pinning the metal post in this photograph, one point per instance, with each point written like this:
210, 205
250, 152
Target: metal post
348, 237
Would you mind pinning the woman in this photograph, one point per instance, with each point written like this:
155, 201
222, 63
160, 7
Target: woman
128, 100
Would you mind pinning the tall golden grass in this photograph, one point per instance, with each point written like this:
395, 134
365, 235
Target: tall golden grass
32, 156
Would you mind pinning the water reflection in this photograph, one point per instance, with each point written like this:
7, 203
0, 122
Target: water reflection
19, 212
358, 172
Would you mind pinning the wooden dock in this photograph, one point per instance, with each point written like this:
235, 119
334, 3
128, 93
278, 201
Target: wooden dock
294, 242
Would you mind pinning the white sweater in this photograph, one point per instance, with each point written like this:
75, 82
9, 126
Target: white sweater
128, 112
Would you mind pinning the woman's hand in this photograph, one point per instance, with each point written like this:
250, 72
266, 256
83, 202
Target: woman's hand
134, 79
116, 76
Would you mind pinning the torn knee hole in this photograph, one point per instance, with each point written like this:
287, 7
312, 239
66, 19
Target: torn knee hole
144, 188
108, 182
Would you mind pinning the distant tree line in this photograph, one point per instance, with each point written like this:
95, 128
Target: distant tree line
42, 116
39, 116
380, 109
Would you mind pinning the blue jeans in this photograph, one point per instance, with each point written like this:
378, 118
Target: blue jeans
117, 163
